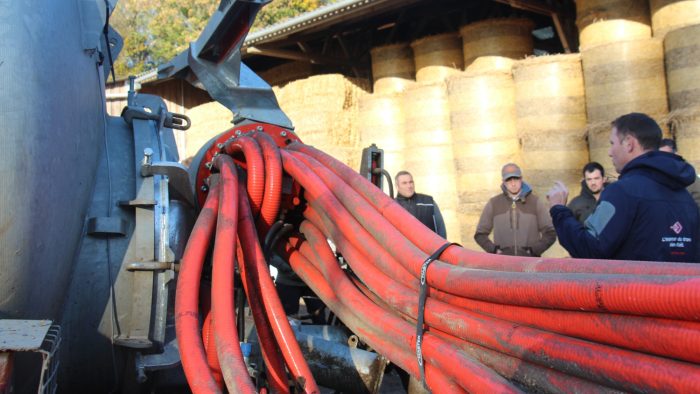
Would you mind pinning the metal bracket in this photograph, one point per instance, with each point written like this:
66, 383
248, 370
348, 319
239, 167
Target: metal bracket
178, 178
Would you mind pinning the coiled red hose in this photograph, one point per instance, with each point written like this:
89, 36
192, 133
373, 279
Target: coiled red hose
273, 183
255, 168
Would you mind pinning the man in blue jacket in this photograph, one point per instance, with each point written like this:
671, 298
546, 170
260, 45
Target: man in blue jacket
647, 214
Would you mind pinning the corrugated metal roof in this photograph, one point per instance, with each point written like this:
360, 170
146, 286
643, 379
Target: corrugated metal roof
325, 15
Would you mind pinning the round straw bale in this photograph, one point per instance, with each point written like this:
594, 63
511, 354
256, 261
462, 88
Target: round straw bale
482, 108
605, 21
551, 119
682, 50
287, 72
392, 68
685, 124
380, 122
492, 44
669, 15
428, 153
624, 77
208, 120
437, 57
323, 110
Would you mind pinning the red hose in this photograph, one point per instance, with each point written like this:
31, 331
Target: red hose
397, 354
255, 166
193, 357
257, 266
210, 350
228, 346
428, 241
276, 374
654, 295
528, 374
470, 375
580, 358
273, 183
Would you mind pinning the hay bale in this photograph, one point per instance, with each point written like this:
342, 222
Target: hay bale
208, 121
380, 122
669, 15
392, 68
323, 110
493, 44
437, 57
287, 72
605, 21
551, 120
682, 53
625, 77
685, 124
428, 152
482, 118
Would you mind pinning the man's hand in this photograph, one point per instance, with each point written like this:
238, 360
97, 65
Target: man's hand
558, 194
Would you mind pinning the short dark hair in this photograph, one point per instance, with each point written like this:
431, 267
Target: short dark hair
402, 172
592, 166
670, 143
642, 127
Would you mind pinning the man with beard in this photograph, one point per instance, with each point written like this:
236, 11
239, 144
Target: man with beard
592, 184
647, 214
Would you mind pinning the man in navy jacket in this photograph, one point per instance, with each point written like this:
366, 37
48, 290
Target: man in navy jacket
647, 214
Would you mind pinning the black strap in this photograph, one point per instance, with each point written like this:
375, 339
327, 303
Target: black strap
421, 308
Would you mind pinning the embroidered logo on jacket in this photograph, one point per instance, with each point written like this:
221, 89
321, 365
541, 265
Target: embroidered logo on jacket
677, 227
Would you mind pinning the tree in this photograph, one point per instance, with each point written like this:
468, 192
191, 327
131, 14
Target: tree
155, 33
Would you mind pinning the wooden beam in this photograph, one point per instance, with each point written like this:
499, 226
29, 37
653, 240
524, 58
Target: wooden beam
292, 55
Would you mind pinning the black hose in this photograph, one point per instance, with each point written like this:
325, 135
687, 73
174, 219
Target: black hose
381, 171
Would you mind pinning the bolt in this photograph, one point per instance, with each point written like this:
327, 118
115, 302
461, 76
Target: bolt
147, 156
209, 165
259, 128
204, 188
238, 132
283, 133
220, 146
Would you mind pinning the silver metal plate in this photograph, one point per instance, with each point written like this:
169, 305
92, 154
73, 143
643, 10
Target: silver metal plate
23, 335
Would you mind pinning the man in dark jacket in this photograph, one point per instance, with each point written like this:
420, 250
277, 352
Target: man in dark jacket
591, 186
647, 214
518, 219
669, 145
421, 206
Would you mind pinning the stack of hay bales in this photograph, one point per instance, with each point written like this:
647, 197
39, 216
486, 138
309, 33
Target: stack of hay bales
669, 15
381, 122
682, 47
622, 66
428, 149
324, 112
493, 44
437, 57
287, 72
393, 69
484, 134
208, 121
551, 119
605, 21
620, 78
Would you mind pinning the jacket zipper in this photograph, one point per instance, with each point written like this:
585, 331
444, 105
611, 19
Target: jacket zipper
513, 227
